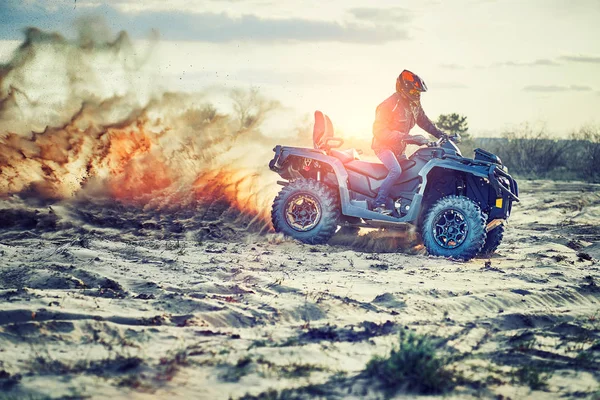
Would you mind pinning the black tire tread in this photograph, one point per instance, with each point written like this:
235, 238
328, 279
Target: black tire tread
492, 241
477, 234
329, 208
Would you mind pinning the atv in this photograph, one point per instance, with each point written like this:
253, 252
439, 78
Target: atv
458, 204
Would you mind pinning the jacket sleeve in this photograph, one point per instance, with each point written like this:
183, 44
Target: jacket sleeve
425, 123
383, 119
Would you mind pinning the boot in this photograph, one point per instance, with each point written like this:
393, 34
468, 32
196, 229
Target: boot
382, 209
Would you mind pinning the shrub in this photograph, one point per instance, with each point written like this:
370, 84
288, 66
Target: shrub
535, 154
536, 378
413, 366
587, 156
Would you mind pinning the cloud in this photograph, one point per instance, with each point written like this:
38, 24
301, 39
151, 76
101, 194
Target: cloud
583, 59
223, 28
578, 88
538, 62
393, 15
205, 27
555, 88
15, 16
549, 62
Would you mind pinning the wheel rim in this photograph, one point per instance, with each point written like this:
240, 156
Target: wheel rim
303, 212
450, 228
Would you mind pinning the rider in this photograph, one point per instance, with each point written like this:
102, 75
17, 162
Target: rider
395, 117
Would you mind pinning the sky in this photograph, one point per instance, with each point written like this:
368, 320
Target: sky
502, 63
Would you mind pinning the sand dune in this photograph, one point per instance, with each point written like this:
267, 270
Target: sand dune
99, 302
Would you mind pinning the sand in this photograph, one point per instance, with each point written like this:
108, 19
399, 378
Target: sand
142, 307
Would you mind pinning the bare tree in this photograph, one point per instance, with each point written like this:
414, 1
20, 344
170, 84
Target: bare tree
532, 152
251, 107
587, 154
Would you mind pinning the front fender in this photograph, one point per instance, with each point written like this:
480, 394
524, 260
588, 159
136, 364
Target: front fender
481, 171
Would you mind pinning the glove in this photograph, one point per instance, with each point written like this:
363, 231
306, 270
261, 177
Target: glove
419, 140
455, 137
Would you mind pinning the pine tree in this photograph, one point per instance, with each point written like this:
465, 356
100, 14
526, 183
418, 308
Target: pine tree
453, 124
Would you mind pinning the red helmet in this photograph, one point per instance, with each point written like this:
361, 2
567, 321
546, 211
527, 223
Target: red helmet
411, 85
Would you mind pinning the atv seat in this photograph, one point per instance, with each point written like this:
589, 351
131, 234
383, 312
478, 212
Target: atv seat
376, 170
323, 139
345, 156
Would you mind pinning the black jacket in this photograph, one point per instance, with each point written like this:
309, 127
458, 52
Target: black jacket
394, 118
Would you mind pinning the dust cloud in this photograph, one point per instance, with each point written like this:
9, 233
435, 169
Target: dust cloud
83, 124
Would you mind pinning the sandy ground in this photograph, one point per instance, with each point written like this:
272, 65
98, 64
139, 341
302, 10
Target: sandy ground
107, 308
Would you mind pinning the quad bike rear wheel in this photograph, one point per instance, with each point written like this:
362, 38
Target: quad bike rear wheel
306, 210
454, 227
492, 241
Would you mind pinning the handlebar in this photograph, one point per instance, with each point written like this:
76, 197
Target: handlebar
443, 139
337, 142
438, 143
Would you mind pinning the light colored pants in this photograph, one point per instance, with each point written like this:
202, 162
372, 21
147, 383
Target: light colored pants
388, 158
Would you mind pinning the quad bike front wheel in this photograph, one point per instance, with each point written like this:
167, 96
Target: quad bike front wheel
454, 227
306, 210
492, 241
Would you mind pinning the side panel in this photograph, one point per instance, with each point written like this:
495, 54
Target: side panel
360, 183
409, 180
479, 191
406, 188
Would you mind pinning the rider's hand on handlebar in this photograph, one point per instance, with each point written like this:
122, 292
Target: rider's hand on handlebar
419, 140
454, 137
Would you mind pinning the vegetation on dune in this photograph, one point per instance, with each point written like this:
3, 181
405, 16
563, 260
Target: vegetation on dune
414, 366
532, 152
533, 376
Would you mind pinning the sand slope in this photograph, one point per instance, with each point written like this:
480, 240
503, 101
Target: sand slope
117, 310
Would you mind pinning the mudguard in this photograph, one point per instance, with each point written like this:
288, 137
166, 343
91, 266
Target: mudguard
481, 171
484, 170
491, 172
